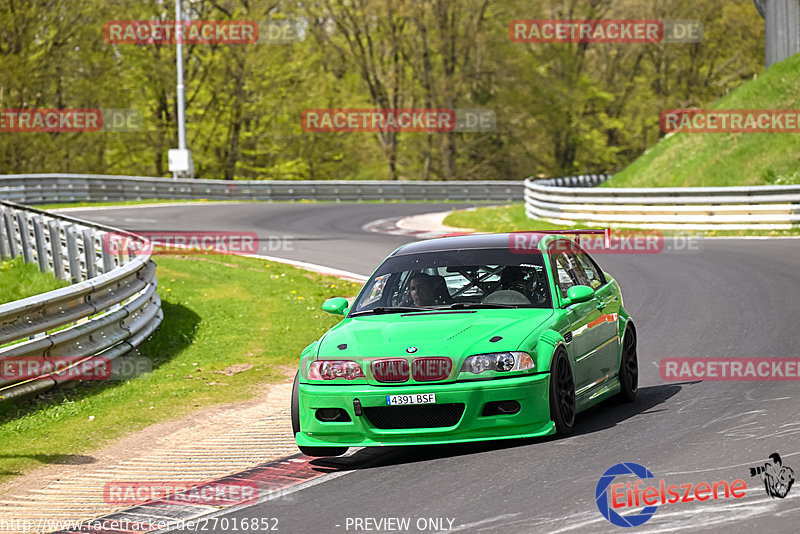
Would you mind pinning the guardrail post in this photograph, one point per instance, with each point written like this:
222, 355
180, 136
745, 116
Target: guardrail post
73, 255
55, 248
24, 237
123, 254
89, 252
41, 245
4, 253
11, 232
108, 258
116, 245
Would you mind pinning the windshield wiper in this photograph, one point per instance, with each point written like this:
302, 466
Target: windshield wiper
390, 309
464, 305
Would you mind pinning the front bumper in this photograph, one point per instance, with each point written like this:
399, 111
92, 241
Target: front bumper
533, 418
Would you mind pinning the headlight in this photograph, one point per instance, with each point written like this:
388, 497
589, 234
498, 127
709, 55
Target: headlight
333, 369
497, 361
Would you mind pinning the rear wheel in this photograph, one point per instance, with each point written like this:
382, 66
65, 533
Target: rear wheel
562, 393
308, 451
628, 367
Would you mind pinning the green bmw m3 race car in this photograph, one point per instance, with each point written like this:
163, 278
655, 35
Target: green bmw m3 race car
467, 338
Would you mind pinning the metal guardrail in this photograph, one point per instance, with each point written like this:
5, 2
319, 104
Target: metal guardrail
49, 188
110, 308
570, 200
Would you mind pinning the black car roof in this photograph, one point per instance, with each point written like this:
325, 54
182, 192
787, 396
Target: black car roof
473, 241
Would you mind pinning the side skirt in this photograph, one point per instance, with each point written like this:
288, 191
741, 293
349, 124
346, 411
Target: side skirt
600, 392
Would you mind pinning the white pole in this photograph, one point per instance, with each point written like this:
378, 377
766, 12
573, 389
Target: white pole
179, 60
180, 159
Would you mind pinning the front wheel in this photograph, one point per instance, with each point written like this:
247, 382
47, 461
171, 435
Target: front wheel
562, 393
296, 405
628, 367
295, 409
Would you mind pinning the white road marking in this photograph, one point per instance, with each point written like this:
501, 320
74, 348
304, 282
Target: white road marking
321, 269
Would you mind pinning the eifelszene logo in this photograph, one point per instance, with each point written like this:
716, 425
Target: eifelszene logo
624, 495
601, 495
777, 478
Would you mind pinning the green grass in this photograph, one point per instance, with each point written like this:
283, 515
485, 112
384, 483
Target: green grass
219, 311
723, 159
498, 219
513, 219
19, 280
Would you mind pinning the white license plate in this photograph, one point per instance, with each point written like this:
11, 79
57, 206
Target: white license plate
416, 398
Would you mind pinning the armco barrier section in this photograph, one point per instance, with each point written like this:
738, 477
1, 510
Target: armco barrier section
110, 307
570, 200
49, 188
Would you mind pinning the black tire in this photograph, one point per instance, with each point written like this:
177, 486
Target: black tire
296, 405
308, 451
628, 367
562, 393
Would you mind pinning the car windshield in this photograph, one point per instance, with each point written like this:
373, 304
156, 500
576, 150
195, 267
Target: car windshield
480, 278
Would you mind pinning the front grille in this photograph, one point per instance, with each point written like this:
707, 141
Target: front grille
415, 416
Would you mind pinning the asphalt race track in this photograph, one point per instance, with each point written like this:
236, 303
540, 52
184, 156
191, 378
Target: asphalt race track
730, 297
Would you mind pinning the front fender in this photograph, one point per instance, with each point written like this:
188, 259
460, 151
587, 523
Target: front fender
545, 348
308, 355
622, 323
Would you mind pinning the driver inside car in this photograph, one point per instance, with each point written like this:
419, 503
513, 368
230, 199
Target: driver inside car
421, 289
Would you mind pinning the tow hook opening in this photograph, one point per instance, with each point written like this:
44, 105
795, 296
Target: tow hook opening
332, 415
509, 407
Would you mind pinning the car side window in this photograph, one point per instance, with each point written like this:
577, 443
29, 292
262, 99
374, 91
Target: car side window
376, 292
594, 277
401, 296
568, 272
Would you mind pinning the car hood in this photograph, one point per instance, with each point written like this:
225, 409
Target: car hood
454, 334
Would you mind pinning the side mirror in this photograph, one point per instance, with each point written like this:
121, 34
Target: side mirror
578, 294
335, 306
